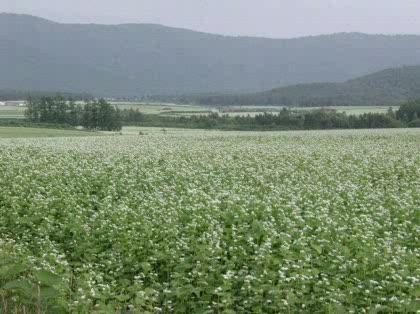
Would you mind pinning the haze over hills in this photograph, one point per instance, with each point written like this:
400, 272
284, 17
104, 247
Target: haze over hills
145, 59
387, 87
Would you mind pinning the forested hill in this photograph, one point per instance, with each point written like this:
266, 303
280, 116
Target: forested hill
388, 87
10, 94
145, 59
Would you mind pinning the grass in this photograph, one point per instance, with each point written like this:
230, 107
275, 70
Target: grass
11, 112
158, 131
161, 108
16, 132
193, 221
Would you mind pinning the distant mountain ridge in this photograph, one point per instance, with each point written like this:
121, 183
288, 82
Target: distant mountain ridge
387, 87
147, 59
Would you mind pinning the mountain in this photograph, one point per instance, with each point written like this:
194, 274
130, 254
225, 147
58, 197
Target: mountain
387, 87
146, 59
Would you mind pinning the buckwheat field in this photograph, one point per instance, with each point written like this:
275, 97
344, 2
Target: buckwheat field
211, 222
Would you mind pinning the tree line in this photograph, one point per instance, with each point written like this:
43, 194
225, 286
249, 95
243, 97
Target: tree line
289, 119
92, 115
100, 115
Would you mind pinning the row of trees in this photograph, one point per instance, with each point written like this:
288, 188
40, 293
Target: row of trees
100, 115
293, 120
287, 119
92, 115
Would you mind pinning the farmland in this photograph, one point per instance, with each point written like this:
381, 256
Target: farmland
211, 222
167, 109
12, 112
16, 132
163, 108
354, 110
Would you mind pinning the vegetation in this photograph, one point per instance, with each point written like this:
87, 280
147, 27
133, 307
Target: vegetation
12, 112
388, 87
211, 222
162, 108
10, 94
17, 132
141, 60
100, 115
94, 115
286, 119
410, 113
158, 221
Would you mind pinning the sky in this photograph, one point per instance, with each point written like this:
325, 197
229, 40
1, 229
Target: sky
267, 18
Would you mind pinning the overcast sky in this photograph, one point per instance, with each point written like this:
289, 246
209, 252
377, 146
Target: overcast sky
269, 18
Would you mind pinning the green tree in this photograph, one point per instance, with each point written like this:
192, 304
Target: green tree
409, 111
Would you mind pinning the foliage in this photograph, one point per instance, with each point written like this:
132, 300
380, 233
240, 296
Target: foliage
55, 110
131, 115
93, 115
26, 286
414, 123
286, 119
409, 111
101, 115
212, 222
39, 131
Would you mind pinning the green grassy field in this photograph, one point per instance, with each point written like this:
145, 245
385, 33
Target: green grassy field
11, 112
15, 132
193, 221
162, 108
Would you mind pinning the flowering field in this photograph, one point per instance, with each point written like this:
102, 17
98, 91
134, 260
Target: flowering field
211, 222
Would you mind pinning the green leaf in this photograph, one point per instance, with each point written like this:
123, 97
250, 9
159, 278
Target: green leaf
317, 248
49, 293
104, 309
47, 278
9, 271
146, 267
291, 298
122, 297
23, 285
57, 309
339, 309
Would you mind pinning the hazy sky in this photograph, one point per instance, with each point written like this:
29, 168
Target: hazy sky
270, 18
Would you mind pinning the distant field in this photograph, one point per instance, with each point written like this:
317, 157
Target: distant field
162, 108
14, 112
188, 110
158, 131
15, 132
356, 110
